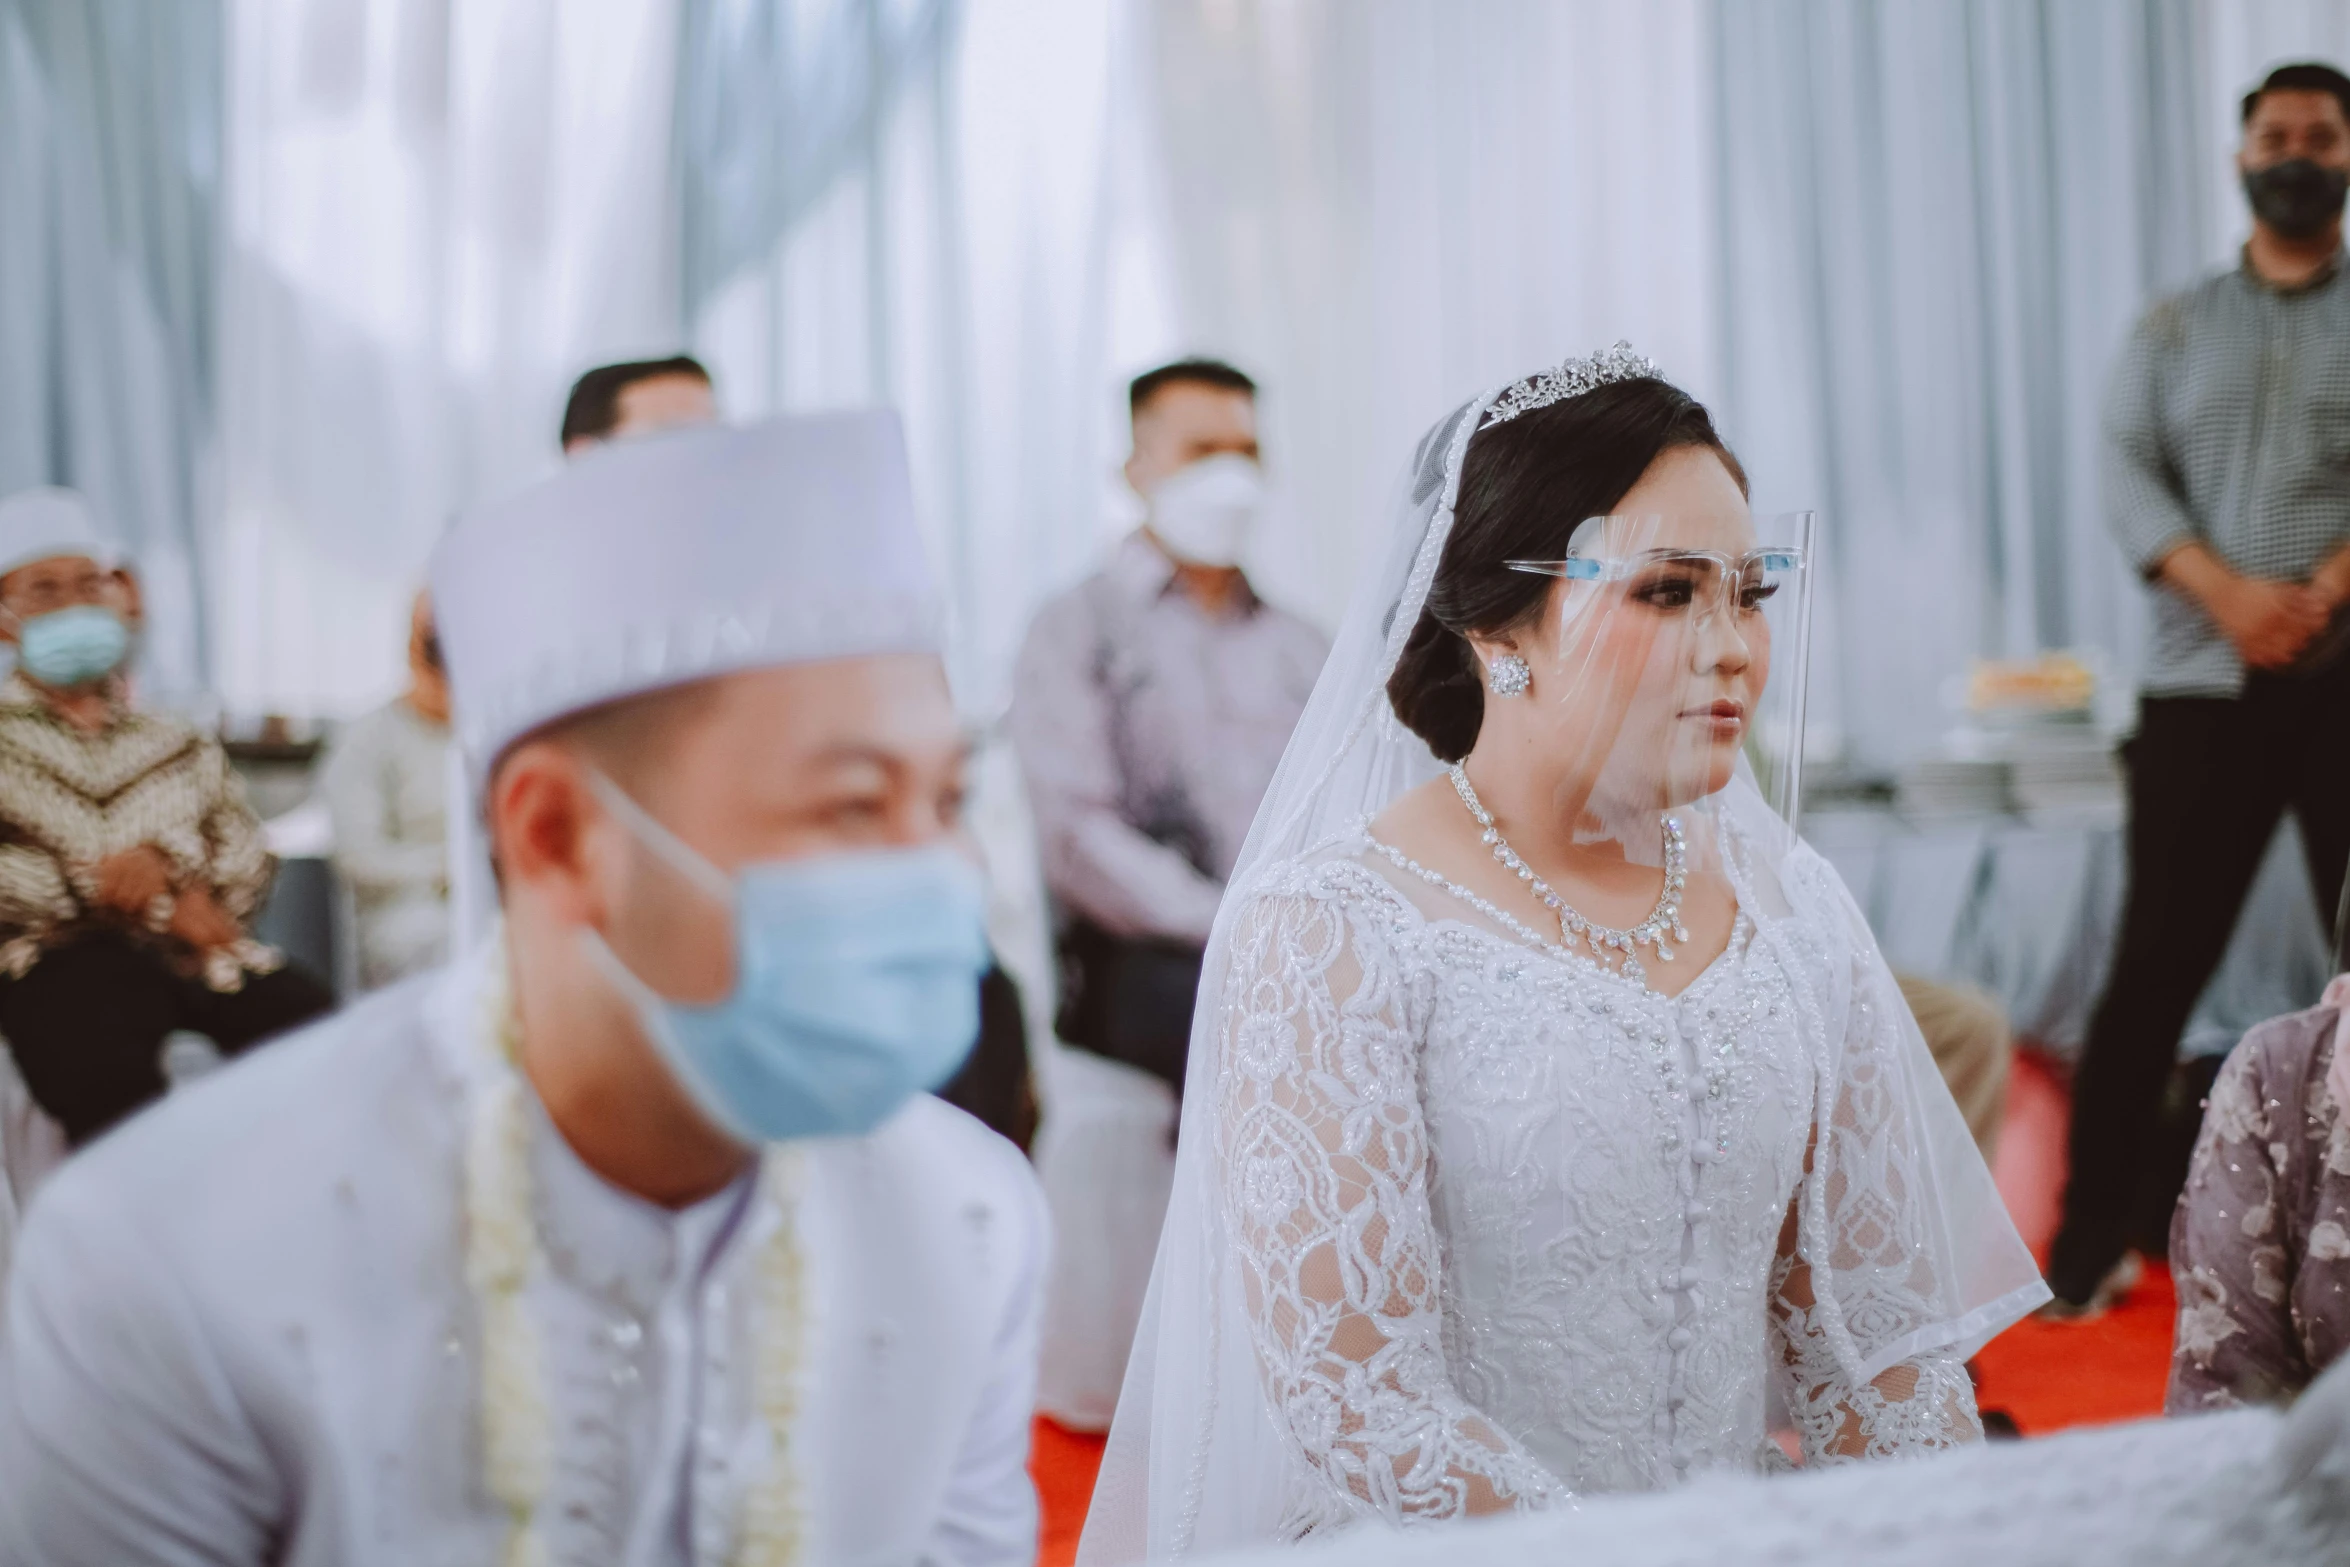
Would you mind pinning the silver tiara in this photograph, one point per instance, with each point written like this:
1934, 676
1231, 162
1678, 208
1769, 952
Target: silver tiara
1571, 379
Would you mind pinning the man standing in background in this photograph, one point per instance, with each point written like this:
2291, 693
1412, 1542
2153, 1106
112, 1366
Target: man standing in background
2227, 481
1151, 705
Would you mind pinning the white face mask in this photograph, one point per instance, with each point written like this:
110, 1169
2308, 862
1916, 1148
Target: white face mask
1204, 513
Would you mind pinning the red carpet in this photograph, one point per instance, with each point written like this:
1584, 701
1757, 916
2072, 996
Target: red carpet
2050, 1376
2046, 1377
1063, 1463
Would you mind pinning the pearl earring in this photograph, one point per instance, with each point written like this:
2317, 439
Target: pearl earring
1508, 675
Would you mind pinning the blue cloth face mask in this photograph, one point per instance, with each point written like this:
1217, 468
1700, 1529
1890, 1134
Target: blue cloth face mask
856, 984
72, 647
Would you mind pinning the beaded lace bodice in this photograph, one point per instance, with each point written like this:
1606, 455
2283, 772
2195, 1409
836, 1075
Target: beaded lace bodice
1513, 1226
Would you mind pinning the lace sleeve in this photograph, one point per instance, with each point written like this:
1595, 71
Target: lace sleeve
1920, 1405
1323, 1173
1871, 1239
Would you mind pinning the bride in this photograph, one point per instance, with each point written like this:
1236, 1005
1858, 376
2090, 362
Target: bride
1555, 1126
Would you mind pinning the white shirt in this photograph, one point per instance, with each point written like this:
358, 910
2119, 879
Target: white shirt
385, 783
239, 1331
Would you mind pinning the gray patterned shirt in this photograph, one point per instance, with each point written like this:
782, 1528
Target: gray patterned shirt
2228, 424
1148, 731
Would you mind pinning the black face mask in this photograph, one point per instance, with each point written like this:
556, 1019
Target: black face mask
2297, 198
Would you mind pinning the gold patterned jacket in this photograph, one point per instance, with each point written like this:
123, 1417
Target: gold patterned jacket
68, 799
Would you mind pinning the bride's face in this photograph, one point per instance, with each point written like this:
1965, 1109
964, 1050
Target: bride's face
1646, 679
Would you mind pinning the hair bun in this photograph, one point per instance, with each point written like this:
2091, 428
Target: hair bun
1435, 689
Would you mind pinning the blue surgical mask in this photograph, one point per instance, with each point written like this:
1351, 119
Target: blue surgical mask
856, 984
72, 647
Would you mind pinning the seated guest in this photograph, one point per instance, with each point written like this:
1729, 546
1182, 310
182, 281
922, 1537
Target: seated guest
129, 861
636, 398
2260, 1245
385, 782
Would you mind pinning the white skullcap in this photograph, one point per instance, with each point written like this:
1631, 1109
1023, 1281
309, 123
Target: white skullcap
48, 522
698, 552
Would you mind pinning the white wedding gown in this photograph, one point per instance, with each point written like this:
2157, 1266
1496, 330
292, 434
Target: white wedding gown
1460, 1219
1561, 1203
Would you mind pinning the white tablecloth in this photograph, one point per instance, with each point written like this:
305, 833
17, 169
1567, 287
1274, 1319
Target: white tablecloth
2030, 912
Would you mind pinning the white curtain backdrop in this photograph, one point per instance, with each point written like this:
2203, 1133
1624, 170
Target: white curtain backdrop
109, 190
1381, 209
1938, 223
1894, 243
439, 213
960, 260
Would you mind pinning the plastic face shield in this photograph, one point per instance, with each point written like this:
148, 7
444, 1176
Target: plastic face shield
1671, 655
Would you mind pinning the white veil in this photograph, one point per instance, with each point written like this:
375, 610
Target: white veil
1195, 1460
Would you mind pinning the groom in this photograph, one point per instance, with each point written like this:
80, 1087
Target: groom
631, 1237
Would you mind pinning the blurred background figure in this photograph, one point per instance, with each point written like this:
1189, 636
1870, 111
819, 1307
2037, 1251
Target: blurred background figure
636, 398
2260, 1245
385, 781
1150, 706
130, 864
1973, 1048
2226, 423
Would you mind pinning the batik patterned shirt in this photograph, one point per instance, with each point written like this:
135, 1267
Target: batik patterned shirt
70, 798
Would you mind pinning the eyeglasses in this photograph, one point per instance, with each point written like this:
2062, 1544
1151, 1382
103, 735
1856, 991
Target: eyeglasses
40, 593
1677, 579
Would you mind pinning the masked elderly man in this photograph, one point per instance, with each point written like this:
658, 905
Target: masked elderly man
129, 861
630, 1237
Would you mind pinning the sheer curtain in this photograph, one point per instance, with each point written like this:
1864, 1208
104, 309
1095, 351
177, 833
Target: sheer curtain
110, 147
1380, 209
1938, 221
912, 202
439, 213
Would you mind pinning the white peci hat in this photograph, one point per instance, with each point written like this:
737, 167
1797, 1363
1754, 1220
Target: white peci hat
653, 562
44, 523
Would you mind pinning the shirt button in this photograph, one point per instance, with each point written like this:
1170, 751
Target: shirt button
1682, 1458
1701, 1153
1678, 1338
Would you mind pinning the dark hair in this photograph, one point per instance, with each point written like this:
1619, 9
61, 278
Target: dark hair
594, 407
2301, 76
1199, 372
1526, 486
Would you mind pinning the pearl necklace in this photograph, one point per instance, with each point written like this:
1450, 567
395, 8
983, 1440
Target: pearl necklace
1664, 919
502, 1256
